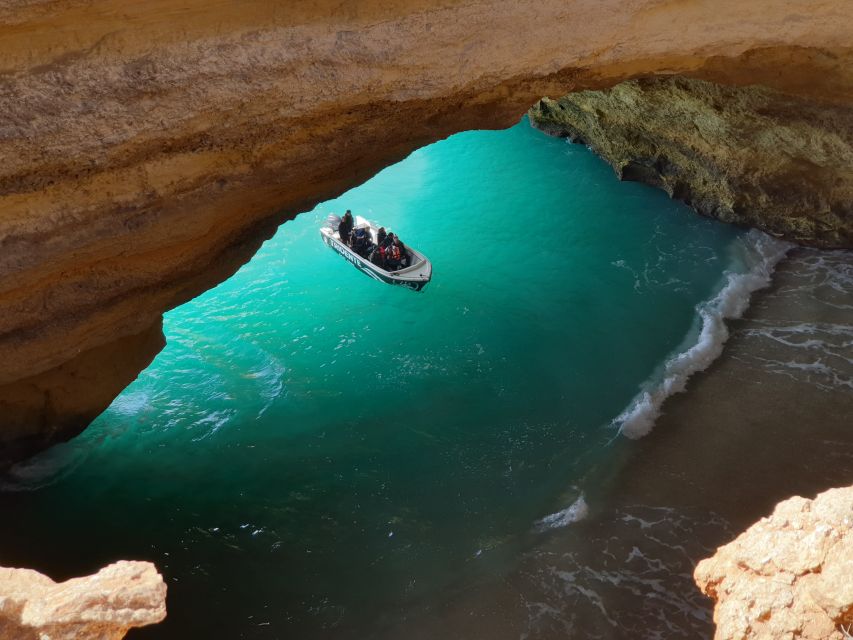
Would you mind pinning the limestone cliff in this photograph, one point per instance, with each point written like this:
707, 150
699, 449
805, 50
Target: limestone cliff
749, 155
150, 147
789, 575
103, 606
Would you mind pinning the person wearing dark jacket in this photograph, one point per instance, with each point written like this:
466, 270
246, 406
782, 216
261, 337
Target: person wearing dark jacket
381, 235
377, 256
361, 242
345, 227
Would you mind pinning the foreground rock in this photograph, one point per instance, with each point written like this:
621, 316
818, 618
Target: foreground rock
150, 147
748, 155
789, 575
103, 606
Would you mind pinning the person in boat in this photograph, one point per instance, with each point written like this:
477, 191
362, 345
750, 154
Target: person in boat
369, 246
394, 255
386, 242
377, 256
345, 227
388, 264
404, 254
361, 242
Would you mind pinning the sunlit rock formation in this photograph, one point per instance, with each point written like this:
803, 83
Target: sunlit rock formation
749, 155
150, 147
103, 606
789, 575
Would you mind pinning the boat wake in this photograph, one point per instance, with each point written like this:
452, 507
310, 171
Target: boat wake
762, 254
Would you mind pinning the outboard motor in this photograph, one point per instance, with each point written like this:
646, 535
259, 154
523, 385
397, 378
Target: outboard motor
333, 221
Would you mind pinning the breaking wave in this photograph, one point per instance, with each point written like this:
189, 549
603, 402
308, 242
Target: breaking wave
576, 511
762, 254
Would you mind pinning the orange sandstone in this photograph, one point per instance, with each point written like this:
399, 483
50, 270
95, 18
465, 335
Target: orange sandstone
103, 606
789, 575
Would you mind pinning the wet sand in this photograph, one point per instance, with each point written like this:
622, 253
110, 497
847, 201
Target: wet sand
771, 418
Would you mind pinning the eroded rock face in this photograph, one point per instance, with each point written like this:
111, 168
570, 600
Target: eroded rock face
748, 155
787, 576
58, 404
150, 147
103, 606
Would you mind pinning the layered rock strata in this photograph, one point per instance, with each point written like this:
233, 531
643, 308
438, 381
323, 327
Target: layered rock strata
103, 606
748, 155
149, 148
789, 575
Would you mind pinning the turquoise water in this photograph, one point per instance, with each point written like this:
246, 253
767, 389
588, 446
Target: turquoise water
314, 453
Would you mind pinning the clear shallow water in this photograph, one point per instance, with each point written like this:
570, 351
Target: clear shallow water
314, 453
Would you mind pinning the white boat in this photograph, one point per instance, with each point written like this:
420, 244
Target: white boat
415, 276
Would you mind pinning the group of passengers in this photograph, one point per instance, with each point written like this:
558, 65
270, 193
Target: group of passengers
388, 252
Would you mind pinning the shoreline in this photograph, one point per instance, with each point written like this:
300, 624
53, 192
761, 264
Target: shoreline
766, 420
784, 379
760, 254
762, 423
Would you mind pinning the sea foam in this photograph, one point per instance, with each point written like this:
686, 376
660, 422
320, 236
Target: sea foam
576, 511
763, 253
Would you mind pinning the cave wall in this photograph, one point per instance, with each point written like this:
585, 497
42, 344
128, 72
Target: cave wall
749, 155
149, 148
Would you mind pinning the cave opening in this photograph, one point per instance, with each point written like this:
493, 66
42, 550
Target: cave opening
307, 429
315, 454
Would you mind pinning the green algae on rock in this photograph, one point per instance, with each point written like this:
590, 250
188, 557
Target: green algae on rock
746, 155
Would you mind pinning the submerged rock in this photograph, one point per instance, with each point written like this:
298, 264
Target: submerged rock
789, 575
748, 155
103, 606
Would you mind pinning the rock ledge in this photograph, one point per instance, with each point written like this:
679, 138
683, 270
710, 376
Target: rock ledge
747, 155
789, 575
103, 606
